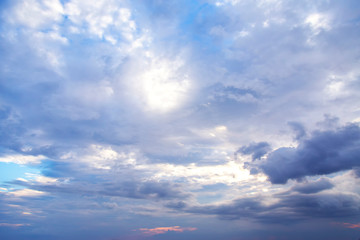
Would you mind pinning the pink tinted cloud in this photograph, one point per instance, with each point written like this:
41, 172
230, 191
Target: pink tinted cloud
348, 225
162, 230
351, 225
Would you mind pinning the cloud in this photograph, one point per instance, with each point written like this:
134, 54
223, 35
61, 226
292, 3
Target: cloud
133, 188
324, 152
285, 208
106, 20
37, 14
313, 187
322, 205
351, 225
318, 22
299, 130
176, 205
240, 208
22, 159
223, 93
26, 193
131, 111
162, 230
256, 150
357, 172
163, 85
13, 225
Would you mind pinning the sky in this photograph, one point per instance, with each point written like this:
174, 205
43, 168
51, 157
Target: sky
179, 119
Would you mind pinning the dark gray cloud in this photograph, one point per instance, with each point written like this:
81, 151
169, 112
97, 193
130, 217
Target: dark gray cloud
289, 208
323, 153
176, 205
322, 205
299, 130
256, 150
313, 187
241, 208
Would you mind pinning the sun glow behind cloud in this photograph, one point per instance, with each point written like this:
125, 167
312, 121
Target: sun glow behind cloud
163, 85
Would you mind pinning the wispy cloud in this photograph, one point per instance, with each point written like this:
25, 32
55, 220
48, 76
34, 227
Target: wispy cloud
15, 225
26, 193
351, 225
162, 230
22, 159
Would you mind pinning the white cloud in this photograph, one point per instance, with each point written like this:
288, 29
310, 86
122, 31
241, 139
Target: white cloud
38, 28
47, 46
242, 33
26, 193
37, 14
229, 173
45, 180
51, 36
318, 22
127, 161
22, 159
223, 2
102, 157
104, 19
338, 85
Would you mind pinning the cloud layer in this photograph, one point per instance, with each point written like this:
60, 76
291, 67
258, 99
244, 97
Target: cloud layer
237, 118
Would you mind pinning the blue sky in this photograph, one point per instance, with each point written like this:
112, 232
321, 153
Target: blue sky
204, 119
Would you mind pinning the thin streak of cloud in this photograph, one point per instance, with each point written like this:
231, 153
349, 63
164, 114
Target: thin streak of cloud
162, 230
351, 225
27, 193
13, 225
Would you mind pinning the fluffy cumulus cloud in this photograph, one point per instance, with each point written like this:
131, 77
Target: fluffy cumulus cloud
211, 119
